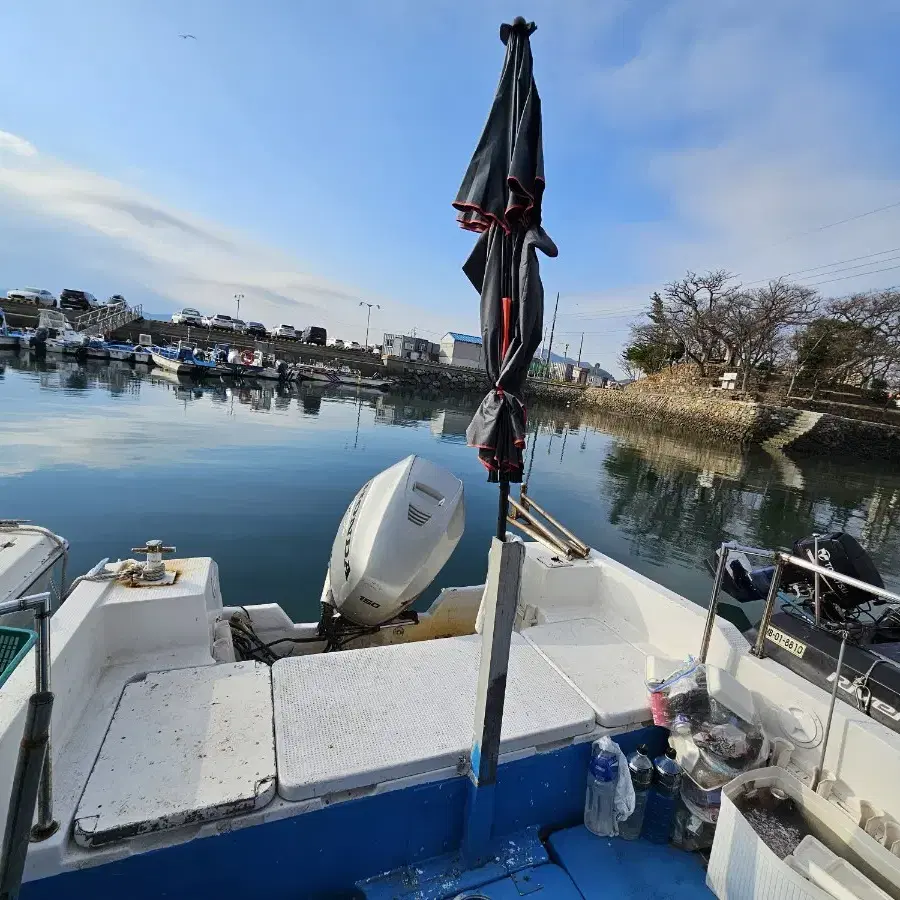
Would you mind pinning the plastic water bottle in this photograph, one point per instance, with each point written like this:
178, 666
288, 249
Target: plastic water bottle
659, 816
640, 767
600, 797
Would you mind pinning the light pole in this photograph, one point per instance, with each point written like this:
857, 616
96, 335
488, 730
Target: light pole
237, 299
368, 317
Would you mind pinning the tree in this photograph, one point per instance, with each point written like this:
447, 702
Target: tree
757, 321
694, 315
652, 345
873, 319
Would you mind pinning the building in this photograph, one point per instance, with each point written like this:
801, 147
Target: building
461, 350
403, 346
598, 377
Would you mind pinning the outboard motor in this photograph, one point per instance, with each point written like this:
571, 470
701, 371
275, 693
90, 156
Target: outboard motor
841, 553
38, 342
393, 540
837, 551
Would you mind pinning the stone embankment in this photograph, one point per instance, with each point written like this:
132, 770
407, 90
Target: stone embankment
682, 402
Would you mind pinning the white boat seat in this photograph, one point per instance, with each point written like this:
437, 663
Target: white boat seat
184, 747
606, 669
355, 719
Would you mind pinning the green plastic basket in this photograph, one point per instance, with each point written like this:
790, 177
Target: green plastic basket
14, 644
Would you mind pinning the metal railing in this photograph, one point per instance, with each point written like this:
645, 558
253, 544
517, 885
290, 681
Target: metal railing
40, 606
781, 559
105, 319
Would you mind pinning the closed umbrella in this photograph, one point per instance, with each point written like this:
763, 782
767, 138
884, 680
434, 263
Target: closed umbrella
500, 198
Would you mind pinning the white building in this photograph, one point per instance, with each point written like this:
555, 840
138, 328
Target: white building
461, 350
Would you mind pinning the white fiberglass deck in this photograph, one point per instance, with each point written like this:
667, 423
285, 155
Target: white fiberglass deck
184, 746
351, 720
608, 670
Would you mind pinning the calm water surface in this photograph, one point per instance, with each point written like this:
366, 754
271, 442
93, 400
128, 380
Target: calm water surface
258, 478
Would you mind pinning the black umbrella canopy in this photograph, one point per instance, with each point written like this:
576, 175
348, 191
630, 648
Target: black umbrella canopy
500, 198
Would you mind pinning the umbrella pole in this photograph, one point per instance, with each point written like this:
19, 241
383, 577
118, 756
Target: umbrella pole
503, 509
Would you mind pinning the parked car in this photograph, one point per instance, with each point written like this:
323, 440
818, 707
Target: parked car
313, 334
354, 345
239, 325
225, 323
33, 295
284, 331
375, 350
114, 300
257, 329
72, 299
188, 316
337, 343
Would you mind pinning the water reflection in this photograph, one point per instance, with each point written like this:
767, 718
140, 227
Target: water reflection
656, 501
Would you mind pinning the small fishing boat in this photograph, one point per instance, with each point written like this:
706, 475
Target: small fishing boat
121, 352
342, 375
192, 745
9, 340
182, 361
93, 348
29, 555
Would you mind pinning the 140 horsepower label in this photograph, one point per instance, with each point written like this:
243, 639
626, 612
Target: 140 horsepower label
792, 645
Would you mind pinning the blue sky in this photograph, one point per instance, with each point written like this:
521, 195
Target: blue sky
306, 154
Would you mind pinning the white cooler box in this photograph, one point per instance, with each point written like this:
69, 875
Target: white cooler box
743, 867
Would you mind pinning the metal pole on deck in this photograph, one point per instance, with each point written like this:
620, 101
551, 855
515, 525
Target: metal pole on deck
501, 596
33, 751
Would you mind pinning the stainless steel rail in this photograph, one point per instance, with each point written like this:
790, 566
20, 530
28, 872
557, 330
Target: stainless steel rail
726, 548
40, 605
786, 559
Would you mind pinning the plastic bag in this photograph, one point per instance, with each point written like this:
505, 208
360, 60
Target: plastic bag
683, 692
624, 799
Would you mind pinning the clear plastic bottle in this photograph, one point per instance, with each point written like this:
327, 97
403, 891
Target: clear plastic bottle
640, 767
600, 797
662, 802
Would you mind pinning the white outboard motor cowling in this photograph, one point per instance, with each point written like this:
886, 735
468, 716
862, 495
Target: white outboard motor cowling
393, 540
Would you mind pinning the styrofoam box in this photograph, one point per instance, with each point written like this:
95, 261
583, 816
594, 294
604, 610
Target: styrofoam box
815, 862
742, 867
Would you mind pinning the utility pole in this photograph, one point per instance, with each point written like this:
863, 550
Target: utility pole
238, 298
580, 348
368, 317
552, 329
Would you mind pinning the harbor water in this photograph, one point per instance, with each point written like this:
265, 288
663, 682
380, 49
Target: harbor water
259, 476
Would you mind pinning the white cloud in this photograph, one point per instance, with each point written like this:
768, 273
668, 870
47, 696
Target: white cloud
15, 144
754, 131
176, 254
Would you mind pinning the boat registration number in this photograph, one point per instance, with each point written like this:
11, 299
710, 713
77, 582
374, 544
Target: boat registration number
792, 645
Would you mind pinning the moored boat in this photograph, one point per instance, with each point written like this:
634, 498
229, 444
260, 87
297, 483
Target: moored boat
181, 360
192, 744
121, 352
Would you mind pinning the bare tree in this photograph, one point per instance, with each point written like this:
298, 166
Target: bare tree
758, 321
871, 322
694, 314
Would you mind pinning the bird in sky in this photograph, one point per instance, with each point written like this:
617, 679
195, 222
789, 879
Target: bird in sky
184, 37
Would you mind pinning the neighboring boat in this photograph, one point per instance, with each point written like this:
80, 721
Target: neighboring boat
194, 752
56, 334
29, 555
9, 340
94, 348
182, 361
121, 352
342, 375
